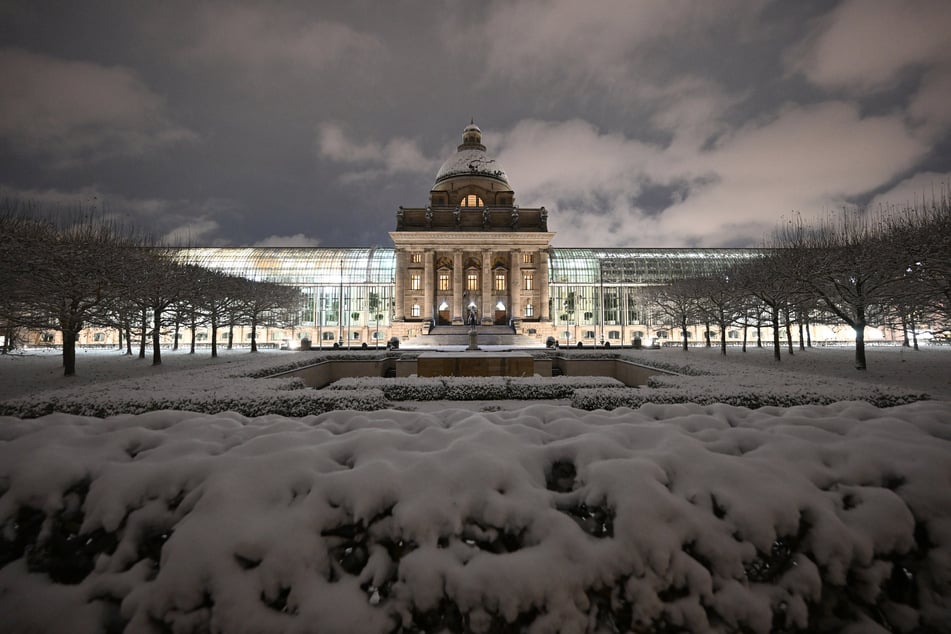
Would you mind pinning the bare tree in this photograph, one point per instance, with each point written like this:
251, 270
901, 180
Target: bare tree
60, 276
677, 301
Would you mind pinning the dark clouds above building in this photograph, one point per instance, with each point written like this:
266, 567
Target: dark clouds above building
636, 123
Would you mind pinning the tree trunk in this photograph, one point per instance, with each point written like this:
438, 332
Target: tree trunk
143, 334
774, 314
231, 336
860, 346
706, 334
904, 331
808, 335
802, 338
69, 351
745, 337
156, 337
254, 334
214, 336
178, 324
128, 338
683, 332
788, 332
759, 335
194, 328
914, 332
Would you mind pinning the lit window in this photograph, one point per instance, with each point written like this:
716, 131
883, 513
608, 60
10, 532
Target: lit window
471, 201
589, 334
733, 334
528, 281
415, 310
328, 336
529, 310
472, 281
500, 281
416, 258
444, 284
416, 281
614, 334
528, 258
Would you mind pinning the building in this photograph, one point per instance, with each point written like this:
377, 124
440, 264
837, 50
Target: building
472, 256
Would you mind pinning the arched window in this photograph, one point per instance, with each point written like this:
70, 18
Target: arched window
471, 201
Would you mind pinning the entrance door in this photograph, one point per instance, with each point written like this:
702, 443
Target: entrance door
443, 318
501, 318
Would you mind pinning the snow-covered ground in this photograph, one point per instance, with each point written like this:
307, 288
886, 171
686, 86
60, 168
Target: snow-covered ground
538, 518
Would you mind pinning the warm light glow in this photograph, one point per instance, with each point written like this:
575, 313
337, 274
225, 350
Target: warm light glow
471, 201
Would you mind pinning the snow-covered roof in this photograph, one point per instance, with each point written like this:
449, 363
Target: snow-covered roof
471, 162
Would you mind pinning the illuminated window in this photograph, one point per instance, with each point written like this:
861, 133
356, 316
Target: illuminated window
733, 334
614, 334
444, 283
528, 281
415, 281
472, 281
528, 258
529, 310
415, 310
328, 336
500, 281
471, 201
416, 258
588, 334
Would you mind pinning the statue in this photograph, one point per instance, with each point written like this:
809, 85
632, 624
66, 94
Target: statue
515, 218
399, 218
429, 217
485, 217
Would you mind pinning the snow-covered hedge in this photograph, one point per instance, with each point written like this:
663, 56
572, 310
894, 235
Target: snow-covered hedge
675, 518
476, 388
286, 400
741, 396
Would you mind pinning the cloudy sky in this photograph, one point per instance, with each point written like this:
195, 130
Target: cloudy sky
648, 123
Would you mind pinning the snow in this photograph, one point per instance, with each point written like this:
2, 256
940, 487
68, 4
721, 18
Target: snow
539, 516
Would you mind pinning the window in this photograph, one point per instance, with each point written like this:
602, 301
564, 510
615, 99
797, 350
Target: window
328, 336
99, 336
354, 335
661, 334
531, 331
377, 335
528, 258
614, 334
444, 282
472, 281
414, 312
638, 334
588, 334
416, 281
416, 258
47, 337
528, 281
529, 310
733, 334
588, 316
500, 281
471, 201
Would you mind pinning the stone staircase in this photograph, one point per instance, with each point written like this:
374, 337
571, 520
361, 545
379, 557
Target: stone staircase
485, 336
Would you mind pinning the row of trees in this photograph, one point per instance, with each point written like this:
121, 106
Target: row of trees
88, 272
888, 268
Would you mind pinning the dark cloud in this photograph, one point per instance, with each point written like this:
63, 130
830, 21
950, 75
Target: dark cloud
635, 123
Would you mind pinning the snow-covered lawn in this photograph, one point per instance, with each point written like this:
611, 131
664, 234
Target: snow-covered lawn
537, 518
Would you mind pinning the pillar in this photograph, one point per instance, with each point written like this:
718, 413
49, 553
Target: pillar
428, 263
515, 284
400, 284
457, 287
543, 285
488, 308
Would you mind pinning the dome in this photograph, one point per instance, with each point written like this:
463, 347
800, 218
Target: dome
470, 159
471, 163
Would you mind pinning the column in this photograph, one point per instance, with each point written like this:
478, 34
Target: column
457, 287
543, 285
515, 284
399, 278
487, 308
428, 262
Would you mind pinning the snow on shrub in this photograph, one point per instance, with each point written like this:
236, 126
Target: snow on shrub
475, 388
668, 518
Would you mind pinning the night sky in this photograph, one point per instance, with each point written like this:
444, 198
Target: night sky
675, 123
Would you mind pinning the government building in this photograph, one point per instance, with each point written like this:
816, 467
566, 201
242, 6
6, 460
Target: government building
472, 257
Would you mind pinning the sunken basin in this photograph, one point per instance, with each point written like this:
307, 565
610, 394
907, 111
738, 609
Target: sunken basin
473, 363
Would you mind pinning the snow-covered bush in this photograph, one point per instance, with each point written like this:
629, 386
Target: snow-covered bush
402, 389
674, 518
475, 388
555, 387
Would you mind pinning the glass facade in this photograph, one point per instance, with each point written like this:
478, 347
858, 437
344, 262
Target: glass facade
349, 289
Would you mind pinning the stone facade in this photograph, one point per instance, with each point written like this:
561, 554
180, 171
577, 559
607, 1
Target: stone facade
472, 255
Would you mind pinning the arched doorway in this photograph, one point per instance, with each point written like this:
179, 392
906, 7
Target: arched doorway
501, 313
